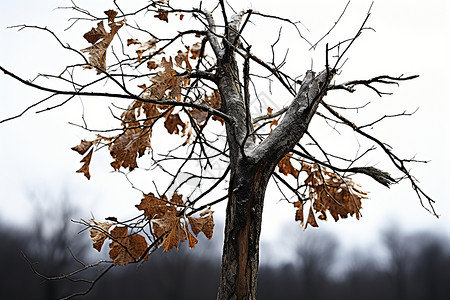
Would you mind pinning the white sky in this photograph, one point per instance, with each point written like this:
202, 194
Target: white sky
411, 37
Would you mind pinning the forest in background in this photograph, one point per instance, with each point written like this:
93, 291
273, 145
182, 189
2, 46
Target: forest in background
415, 266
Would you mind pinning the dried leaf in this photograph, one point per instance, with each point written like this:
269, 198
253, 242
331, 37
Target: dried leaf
170, 224
150, 44
163, 15
214, 100
299, 213
183, 57
151, 65
311, 219
126, 248
83, 146
181, 17
285, 166
101, 39
133, 42
153, 207
203, 224
99, 233
85, 167
127, 147
196, 50
172, 122
111, 15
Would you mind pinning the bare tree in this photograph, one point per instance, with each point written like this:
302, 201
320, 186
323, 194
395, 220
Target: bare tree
213, 78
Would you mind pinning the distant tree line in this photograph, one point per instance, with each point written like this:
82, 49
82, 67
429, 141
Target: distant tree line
417, 266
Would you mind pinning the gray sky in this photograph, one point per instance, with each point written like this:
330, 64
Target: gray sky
412, 37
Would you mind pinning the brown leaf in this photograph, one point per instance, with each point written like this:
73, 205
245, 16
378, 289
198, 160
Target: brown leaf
214, 100
170, 224
126, 248
101, 39
172, 122
299, 213
153, 207
99, 233
192, 240
83, 146
311, 219
85, 167
181, 17
177, 199
163, 15
133, 42
111, 15
127, 147
151, 65
196, 50
285, 166
203, 224
150, 44
183, 57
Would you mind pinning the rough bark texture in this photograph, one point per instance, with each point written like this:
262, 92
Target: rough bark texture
251, 168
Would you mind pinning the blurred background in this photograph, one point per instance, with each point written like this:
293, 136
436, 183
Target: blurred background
396, 251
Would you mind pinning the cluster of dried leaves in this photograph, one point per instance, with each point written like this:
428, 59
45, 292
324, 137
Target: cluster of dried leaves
139, 118
169, 227
327, 191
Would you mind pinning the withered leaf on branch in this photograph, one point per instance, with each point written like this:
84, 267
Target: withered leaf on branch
335, 194
126, 248
203, 224
163, 15
99, 233
285, 166
311, 219
328, 192
83, 147
85, 167
101, 39
171, 225
127, 147
183, 57
172, 122
299, 213
196, 50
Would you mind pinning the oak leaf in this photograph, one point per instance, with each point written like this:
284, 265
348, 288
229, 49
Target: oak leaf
203, 224
153, 207
183, 57
299, 213
126, 248
128, 146
85, 167
285, 166
172, 122
311, 219
101, 39
99, 233
83, 147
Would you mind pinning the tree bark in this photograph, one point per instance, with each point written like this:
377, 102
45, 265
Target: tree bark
251, 167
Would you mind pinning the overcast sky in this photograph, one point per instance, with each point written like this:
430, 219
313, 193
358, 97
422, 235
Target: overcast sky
412, 37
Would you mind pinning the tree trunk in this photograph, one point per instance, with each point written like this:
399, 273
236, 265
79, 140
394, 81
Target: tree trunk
242, 231
251, 167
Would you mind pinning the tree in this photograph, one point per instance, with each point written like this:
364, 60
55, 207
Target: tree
210, 81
